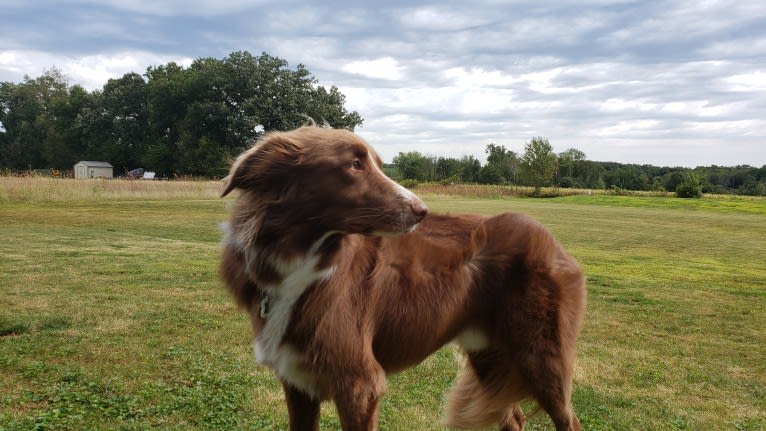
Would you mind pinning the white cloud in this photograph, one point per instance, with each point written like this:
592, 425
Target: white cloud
300, 19
11, 63
432, 18
386, 68
692, 108
96, 70
746, 47
478, 77
177, 7
90, 71
448, 78
728, 128
632, 128
748, 82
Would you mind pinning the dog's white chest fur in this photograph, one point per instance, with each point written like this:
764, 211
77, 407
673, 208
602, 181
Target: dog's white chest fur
284, 359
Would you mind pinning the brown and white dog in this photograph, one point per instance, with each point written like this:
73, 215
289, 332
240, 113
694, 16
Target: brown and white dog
347, 278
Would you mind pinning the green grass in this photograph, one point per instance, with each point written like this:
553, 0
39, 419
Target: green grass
112, 316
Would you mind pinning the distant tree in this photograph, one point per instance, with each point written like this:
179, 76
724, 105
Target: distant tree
538, 163
753, 188
411, 165
448, 169
64, 144
491, 174
470, 169
168, 98
25, 116
629, 177
502, 165
721, 178
569, 167
657, 185
590, 174
429, 166
20, 141
122, 115
672, 179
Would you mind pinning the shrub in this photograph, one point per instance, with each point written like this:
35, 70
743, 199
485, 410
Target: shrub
617, 191
690, 187
753, 188
409, 183
450, 180
490, 174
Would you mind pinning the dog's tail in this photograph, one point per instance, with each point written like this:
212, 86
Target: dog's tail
476, 404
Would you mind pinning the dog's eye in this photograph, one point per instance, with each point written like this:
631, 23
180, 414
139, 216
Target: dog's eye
356, 164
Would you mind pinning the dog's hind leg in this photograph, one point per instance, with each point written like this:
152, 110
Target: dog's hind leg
548, 362
302, 408
549, 377
554, 396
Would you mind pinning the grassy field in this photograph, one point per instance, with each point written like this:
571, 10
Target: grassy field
112, 316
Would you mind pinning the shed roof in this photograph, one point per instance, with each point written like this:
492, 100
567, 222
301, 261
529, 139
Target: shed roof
93, 164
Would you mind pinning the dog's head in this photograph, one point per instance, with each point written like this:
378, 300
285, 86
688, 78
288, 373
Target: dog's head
327, 177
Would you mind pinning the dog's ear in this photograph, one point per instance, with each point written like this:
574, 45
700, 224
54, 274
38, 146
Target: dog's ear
262, 167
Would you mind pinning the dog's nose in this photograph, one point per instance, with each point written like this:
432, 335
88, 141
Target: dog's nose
419, 209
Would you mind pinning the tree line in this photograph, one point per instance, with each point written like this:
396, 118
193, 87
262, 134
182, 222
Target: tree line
538, 166
171, 120
177, 120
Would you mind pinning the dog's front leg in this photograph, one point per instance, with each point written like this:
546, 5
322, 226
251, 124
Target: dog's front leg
302, 408
358, 399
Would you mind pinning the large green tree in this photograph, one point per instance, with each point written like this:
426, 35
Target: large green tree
123, 111
569, 163
219, 106
168, 98
64, 138
470, 169
413, 165
173, 120
448, 169
25, 113
539, 163
502, 165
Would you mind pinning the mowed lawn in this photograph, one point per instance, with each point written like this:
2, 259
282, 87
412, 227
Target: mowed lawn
112, 316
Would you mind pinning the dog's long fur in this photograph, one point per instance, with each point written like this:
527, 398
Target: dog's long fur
347, 279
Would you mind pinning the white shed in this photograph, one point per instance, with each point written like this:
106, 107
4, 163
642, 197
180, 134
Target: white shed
86, 169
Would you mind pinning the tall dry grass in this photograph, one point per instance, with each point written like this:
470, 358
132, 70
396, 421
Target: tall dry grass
489, 191
40, 189
45, 189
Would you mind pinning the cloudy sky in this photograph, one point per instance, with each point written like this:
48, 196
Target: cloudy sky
670, 83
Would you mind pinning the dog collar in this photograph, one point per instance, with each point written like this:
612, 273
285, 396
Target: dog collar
265, 306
